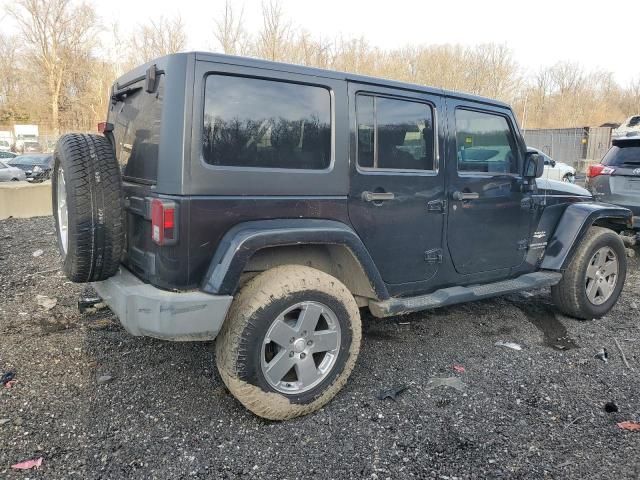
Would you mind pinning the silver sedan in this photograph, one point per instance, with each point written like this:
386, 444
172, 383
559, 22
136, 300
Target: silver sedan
9, 173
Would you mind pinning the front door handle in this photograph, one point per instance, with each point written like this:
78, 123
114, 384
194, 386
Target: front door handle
377, 196
465, 195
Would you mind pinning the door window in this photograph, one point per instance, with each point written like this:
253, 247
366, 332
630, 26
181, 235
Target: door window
251, 122
485, 143
394, 134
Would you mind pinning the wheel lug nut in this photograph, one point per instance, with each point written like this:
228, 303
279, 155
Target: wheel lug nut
303, 355
309, 343
291, 354
292, 339
304, 334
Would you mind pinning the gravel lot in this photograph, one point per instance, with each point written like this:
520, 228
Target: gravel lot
534, 413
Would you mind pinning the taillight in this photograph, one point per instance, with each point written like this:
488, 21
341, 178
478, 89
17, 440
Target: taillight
164, 225
599, 169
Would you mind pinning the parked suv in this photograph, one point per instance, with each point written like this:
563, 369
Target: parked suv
616, 178
264, 204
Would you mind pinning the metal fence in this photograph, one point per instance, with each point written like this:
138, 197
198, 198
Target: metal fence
577, 147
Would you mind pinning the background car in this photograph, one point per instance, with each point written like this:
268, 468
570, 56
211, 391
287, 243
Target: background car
37, 167
5, 145
31, 147
616, 179
9, 173
7, 155
554, 170
629, 128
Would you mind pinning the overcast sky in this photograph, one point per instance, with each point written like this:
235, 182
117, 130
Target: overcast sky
596, 34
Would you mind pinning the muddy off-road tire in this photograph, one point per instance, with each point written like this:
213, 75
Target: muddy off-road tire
289, 342
87, 207
592, 283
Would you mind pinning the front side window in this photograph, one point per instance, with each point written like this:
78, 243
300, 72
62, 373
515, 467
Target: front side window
394, 134
485, 143
250, 122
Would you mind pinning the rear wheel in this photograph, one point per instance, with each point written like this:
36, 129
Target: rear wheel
87, 205
592, 283
289, 343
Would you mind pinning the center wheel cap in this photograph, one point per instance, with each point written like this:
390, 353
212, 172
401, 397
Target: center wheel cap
298, 345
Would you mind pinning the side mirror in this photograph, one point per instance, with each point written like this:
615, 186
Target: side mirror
533, 165
553, 163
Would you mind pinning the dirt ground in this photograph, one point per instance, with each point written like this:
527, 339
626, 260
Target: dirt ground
164, 413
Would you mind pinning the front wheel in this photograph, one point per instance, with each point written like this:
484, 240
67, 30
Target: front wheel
592, 283
569, 178
290, 342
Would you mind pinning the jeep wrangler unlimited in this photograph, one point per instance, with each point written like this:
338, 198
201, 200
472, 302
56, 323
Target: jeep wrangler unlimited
264, 204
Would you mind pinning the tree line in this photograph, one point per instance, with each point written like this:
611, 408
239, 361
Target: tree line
57, 69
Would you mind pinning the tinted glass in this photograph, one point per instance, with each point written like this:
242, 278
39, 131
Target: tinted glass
137, 132
262, 123
4, 154
627, 153
484, 143
395, 134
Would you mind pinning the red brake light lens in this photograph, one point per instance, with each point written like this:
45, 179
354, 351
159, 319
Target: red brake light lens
163, 222
599, 169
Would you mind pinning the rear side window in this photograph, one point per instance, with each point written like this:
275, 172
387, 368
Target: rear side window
136, 129
623, 153
485, 143
394, 134
250, 122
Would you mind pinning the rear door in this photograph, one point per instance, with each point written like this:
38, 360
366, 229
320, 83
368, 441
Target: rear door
397, 186
489, 214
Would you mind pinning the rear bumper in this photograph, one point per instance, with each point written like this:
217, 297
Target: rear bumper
146, 310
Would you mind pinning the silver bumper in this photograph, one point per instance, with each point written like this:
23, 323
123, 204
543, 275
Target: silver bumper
146, 310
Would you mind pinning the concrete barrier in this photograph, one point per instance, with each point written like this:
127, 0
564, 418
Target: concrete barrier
24, 200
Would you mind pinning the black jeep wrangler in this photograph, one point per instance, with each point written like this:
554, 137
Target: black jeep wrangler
264, 204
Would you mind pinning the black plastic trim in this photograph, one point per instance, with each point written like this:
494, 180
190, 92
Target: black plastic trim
243, 240
574, 223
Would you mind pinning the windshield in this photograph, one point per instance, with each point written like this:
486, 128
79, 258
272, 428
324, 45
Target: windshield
31, 160
623, 154
634, 121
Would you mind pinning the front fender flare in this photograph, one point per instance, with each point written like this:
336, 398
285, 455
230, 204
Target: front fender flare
240, 243
574, 223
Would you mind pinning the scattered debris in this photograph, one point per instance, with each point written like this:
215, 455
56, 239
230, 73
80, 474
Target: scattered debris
574, 421
631, 253
453, 382
28, 464
634, 305
631, 426
511, 345
46, 302
4, 420
7, 377
624, 357
102, 379
602, 355
459, 368
10, 384
37, 253
611, 407
392, 392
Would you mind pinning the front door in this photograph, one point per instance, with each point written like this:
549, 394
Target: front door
397, 186
489, 214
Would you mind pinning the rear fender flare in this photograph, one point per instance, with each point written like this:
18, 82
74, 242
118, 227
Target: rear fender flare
241, 242
574, 223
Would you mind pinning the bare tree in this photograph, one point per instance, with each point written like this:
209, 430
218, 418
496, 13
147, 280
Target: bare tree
229, 31
158, 37
275, 37
54, 31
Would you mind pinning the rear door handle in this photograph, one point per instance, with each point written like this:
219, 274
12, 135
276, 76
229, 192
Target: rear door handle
465, 195
377, 196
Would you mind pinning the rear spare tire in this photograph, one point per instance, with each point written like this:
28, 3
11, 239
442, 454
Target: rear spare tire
87, 207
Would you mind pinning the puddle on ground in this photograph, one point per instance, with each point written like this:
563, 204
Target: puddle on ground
543, 316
